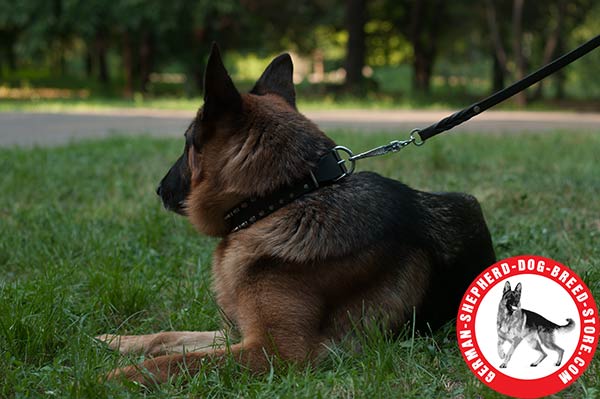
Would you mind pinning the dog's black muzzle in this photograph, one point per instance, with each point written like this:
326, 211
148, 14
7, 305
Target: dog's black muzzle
175, 187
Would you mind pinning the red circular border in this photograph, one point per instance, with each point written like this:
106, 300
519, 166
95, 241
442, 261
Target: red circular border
542, 386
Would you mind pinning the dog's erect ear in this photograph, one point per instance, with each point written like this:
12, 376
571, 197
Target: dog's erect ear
278, 79
518, 289
506, 287
220, 95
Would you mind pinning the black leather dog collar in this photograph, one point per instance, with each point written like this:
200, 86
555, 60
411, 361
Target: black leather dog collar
330, 168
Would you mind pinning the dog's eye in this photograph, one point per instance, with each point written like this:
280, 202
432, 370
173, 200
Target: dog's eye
189, 140
189, 134
193, 158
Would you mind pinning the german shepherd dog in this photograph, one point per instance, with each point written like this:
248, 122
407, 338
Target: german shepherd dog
359, 250
516, 324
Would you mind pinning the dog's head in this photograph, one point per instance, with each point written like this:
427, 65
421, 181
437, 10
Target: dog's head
511, 299
241, 146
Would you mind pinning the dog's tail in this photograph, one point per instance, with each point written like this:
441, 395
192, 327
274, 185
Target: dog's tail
567, 327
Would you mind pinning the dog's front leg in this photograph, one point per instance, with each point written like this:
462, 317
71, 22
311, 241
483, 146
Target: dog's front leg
159, 369
501, 352
253, 353
513, 346
276, 320
165, 342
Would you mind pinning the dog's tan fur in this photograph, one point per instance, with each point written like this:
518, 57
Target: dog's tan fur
307, 273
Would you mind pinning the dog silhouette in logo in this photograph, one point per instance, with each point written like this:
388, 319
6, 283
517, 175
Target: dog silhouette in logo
516, 324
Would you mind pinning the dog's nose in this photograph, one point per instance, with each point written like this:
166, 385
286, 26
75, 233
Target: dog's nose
159, 190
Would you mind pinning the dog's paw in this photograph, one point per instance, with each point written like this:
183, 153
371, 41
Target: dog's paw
503, 366
122, 343
558, 363
533, 365
149, 373
136, 375
111, 340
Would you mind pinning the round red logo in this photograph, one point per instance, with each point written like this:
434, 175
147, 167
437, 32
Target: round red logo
528, 326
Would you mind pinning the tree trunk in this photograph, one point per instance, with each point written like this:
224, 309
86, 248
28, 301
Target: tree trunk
422, 68
101, 44
88, 62
423, 35
520, 98
355, 51
11, 54
497, 73
146, 60
8, 38
559, 76
128, 65
62, 62
103, 76
551, 45
499, 69
57, 13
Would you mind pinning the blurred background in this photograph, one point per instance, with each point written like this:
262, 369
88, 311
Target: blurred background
352, 53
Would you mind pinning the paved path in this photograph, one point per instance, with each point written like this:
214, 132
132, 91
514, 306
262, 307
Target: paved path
32, 128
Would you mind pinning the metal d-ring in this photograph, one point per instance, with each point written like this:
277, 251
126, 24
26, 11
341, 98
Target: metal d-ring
415, 137
341, 161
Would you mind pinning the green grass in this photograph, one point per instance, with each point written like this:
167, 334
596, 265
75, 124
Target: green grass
85, 248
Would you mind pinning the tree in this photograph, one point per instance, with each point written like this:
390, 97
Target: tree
517, 31
536, 31
16, 26
430, 26
356, 17
499, 57
427, 22
558, 9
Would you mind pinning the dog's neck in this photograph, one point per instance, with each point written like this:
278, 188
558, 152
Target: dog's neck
329, 169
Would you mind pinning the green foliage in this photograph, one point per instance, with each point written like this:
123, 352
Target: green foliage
86, 248
582, 77
121, 42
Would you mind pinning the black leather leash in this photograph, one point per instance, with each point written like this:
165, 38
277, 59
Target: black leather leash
419, 136
331, 167
496, 98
